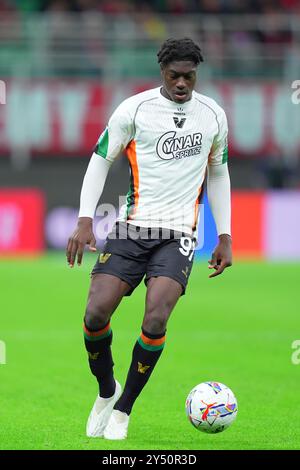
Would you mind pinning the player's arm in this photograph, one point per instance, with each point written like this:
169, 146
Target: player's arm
111, 142
91, 191
218, 192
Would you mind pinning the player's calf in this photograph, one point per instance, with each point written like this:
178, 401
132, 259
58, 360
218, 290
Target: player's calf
98, 346
145, 355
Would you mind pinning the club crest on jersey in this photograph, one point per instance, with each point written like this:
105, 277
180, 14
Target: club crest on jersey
169, 146
179, 123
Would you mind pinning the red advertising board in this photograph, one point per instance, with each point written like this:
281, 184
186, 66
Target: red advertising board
22, 214
54, 117
247, 223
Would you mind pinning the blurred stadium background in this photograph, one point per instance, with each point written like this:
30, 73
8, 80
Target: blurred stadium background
65, 66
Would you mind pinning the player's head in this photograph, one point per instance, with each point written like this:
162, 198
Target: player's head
178, 59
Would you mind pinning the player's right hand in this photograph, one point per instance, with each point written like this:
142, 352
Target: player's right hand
83, 235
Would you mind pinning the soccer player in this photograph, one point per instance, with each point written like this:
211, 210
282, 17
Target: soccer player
173, 137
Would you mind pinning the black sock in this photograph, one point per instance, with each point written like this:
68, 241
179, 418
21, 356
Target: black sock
98, 344
145, 355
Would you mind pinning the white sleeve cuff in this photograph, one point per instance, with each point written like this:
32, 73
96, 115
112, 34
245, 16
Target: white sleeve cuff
93, 184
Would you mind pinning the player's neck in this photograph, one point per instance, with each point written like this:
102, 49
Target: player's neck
166, 95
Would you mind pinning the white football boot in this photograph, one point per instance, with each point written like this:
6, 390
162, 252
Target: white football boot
101, 412
117, 426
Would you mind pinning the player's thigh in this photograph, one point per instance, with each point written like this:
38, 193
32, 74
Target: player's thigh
125, 259
105, 293
173, 259
161, 298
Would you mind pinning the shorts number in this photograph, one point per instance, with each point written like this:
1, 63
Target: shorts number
187, 247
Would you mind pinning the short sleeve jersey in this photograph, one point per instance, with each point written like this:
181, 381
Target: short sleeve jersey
168, 146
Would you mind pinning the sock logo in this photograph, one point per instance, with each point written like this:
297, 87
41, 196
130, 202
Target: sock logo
142, 369
104, 257
94, 356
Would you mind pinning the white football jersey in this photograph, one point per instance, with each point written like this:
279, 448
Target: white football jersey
168, 146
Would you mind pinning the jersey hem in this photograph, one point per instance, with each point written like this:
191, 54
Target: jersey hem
176, 228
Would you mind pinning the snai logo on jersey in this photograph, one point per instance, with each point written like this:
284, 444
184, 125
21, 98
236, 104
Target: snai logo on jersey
170, 147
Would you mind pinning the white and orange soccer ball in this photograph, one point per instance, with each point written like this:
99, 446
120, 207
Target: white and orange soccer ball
211, 407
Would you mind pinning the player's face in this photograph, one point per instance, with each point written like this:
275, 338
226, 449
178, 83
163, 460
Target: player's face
179, 78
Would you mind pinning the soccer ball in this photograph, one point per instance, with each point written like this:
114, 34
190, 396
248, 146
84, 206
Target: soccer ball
211, 407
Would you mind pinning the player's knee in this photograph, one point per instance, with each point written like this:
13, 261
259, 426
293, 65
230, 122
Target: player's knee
96, 316
159, 306
157, 313
155, 323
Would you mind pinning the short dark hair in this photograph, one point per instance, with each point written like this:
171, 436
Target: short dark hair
179, 49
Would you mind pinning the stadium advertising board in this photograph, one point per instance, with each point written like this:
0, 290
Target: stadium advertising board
21, 221
265, 225
66, 117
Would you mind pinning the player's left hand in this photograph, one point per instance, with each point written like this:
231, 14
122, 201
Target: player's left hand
222, 255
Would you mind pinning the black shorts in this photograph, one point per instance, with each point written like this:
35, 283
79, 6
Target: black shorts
131, 252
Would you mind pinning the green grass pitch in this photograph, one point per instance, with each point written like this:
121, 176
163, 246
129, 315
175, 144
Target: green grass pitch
237, 328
